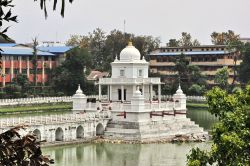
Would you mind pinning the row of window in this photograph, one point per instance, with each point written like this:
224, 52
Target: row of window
193, 58
46, 58
122, 73
190, 49
24, 71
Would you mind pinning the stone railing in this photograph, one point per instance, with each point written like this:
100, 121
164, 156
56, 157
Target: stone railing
164, 105
129, 80
189, 98
36, 100
53, 119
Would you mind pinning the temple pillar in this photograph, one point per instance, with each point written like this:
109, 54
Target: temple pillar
122, 93
110, 92
100, 91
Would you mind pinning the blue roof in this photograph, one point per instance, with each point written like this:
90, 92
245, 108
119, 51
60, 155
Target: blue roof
56, 49
7, 44
191, 53
22, 51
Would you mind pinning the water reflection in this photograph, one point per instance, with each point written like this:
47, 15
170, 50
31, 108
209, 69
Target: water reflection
122, 154
202, 117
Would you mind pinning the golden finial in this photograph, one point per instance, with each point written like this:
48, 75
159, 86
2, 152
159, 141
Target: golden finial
130, 43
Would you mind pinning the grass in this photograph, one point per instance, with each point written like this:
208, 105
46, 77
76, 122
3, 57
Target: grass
37, 108
197, 105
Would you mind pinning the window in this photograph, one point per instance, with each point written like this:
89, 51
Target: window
24, 71
140, 73
7, 71
16, 71
46, 58
122, 73
15, 58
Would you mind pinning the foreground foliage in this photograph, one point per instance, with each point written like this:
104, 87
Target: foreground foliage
231, 136
17, 150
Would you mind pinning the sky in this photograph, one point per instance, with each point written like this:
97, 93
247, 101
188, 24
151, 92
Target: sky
159, 18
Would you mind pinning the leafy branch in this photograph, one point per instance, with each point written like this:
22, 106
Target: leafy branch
43, 6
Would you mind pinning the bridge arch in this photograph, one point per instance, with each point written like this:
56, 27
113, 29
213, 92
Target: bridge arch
59, 134
37, 134
99, 129
79, 132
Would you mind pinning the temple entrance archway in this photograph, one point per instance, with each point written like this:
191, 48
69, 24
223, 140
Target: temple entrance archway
99, 129
59, 134
37, 134
79, 132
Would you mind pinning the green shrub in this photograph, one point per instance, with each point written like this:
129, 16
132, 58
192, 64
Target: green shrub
2, 95
59, 94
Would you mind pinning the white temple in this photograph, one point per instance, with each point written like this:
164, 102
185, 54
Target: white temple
128, 72
135, 116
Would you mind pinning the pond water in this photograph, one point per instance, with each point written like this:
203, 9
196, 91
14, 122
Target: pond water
104, 154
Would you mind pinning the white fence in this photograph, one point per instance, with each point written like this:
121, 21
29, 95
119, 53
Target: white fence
189, 98
37, 100
53, 119
40, 100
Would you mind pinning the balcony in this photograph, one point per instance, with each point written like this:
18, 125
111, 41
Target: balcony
129, 81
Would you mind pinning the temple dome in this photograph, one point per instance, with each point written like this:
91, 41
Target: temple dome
130, 53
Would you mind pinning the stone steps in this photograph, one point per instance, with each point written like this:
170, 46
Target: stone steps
118, 130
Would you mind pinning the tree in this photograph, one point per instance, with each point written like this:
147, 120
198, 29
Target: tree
67, 76
146, 44
197, 90
17, 150
97, 46
105, 47
185, 41
188, 74
34, 61
44, 2
244, 69
231, 136
173, 43
221, 77
78, 41
22, 81
6, 16
233, 45
224, 38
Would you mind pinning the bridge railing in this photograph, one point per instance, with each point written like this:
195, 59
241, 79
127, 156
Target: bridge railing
35, 100
190, 98
41, 100
53, 119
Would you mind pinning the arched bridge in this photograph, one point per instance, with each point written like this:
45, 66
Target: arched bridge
64, 127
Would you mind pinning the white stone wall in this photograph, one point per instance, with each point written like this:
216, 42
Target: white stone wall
131, 70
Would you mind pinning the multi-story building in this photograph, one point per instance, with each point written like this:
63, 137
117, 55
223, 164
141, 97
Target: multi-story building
209, 58
17, 59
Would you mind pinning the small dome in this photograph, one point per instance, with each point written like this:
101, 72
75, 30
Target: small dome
130, 53
179, 90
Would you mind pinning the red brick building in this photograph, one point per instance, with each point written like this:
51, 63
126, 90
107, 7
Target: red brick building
17, 59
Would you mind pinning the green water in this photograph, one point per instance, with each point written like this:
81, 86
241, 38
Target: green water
131, 154
122, 154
